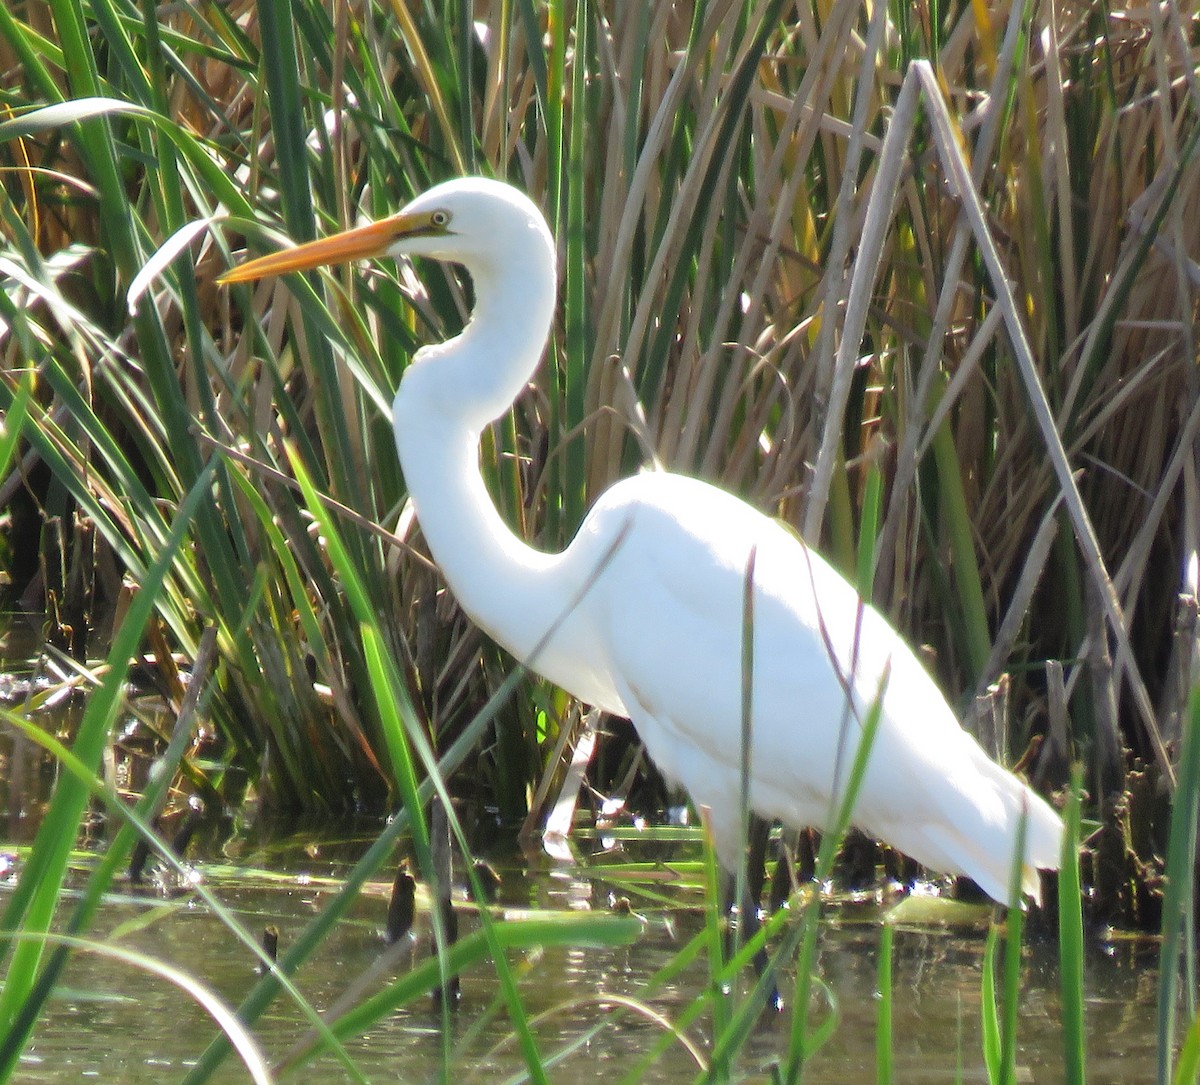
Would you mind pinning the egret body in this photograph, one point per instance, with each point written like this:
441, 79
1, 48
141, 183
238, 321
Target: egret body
645, 606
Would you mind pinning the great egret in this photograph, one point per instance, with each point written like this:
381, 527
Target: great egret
656, 573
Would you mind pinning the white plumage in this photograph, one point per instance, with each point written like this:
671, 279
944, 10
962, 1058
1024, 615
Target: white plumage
657, 574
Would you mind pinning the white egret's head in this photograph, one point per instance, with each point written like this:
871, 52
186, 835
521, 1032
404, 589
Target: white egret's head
471, 220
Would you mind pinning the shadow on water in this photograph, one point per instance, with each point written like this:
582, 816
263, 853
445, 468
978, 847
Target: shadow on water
115, 1024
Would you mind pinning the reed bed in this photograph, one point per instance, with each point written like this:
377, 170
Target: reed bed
918, 280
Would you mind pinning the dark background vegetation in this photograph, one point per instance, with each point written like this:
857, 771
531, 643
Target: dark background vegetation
707, 170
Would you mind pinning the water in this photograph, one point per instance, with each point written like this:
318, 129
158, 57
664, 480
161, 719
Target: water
111, 1023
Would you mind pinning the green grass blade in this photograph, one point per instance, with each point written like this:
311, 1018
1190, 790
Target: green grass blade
310, 941
395, 708
989, 1014
1011, 993
12, 424
252, 1057
1187, 1067
282, 68
1070, 940
32, 905
578, 339
582, 931
868, 530
883, 1013
715, 927
801, 1044
1180, 884
968, 590
136, 820
746, 1016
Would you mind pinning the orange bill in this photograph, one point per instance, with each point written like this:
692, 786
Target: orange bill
374, 239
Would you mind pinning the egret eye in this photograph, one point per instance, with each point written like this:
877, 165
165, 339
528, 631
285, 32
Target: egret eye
440, 219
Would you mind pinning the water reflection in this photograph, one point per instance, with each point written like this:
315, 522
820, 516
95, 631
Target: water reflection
113, 1024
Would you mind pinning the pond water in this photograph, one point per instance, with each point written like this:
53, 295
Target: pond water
111, 1023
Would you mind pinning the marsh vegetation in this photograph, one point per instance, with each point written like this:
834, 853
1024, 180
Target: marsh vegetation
961, 360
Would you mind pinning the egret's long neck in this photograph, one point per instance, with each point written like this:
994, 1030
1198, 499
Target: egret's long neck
449, 393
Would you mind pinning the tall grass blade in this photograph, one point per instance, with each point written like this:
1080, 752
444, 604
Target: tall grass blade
583, 930
52, 117
989, 1013
282, 68
747, 1014
883, 1012
242, 1041
577, 339
12, 425
136, 820
1011, 992
868, 533
801, 1043
1070, 940
715, 926
32, 905
1180, 886
1187, 1066
399, 718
